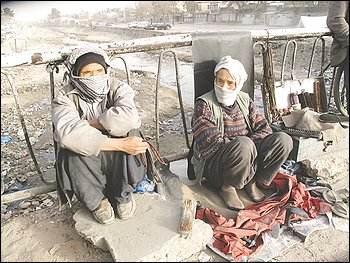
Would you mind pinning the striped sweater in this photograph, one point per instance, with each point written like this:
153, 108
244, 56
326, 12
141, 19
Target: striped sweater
207, 135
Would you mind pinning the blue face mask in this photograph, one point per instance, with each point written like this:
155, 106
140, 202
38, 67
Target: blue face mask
225, 96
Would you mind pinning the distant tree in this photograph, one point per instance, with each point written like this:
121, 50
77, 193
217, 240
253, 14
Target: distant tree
260, 7
191, 6
157, 11
242, 6
55, 13
6, 15
100, 16
144, 10
7, 12
162, 10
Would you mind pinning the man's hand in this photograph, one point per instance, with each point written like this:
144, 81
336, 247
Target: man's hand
132, 145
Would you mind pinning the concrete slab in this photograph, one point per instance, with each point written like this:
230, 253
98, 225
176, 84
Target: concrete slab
330, 166
310, 148
151, 235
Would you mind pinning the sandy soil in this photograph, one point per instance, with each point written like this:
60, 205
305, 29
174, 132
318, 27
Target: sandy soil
34, 229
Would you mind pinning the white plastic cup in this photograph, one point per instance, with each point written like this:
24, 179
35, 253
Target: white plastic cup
296, 106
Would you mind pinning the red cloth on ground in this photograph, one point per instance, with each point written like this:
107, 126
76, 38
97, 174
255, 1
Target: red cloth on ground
260, 217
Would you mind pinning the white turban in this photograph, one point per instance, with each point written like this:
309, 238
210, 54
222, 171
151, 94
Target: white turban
235, 68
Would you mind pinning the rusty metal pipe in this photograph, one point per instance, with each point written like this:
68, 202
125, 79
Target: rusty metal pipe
160, 42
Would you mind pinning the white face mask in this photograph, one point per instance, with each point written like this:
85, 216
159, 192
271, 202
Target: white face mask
225, 96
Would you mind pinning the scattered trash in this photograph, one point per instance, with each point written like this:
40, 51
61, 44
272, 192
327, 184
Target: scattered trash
204, 257
5, 139
291, 167
54, 249
21, 178
145, 185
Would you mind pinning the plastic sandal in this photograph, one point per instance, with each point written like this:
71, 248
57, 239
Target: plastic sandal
333, 118
316, 182
334, 196
341, 209
330, 117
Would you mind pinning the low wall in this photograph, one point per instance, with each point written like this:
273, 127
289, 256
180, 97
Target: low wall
132, 32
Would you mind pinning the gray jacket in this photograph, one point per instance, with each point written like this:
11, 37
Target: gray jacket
117, 114
338, 23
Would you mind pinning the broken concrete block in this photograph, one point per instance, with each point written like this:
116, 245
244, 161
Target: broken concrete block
151, 235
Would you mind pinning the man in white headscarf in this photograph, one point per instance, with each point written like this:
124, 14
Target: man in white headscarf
234, 147
95, 127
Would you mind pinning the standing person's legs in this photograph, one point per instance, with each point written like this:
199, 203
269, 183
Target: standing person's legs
231, 168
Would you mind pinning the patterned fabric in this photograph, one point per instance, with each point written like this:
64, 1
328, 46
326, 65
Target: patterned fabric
91, 89
207, 134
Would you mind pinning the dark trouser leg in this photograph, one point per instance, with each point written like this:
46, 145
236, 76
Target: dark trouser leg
82, 175
233, 165
273, 151
123, 172
111, 174
346, 80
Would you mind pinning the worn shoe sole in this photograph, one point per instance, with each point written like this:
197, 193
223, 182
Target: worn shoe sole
104, 213
104, 222
332, 118
124, 216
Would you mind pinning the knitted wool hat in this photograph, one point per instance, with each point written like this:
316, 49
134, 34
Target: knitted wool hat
86, 59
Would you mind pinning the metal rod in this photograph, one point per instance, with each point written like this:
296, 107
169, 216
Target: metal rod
28, 193
156, 43
32, 192
24, 127
127, 73
179, 94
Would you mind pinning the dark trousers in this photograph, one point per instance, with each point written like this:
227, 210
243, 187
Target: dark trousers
346, 79
240, 160
111, 174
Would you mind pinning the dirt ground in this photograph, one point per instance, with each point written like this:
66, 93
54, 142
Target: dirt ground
34, 229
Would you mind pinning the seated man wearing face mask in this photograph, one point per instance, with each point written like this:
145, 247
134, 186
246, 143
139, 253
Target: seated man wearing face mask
95, 127
234, 146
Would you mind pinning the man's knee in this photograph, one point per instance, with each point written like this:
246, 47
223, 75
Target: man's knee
245, 146
240, 150
284, 140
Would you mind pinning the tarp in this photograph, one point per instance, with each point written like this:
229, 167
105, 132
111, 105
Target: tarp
313, 22
261, 217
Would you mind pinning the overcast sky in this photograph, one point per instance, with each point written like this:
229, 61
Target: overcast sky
36, 10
